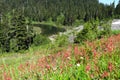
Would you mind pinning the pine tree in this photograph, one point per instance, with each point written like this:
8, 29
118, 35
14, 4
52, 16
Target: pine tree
117, 10
4, 37
20, 33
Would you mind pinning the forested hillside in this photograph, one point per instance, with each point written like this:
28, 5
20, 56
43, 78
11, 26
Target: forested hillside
16, 16
59, 40
42, 10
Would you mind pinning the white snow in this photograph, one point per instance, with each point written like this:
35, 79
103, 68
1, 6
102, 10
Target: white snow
116, 22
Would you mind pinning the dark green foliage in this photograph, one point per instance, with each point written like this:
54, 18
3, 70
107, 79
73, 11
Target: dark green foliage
42, 10
4, 37
20, 31
106, 29
60, 19
78, 22
15, 16
61, 40
40, 40
15, 34
117, 10
91, 31
116, 32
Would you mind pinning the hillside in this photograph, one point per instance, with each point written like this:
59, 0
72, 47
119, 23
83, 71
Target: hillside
59, 40
93, 60
70, 10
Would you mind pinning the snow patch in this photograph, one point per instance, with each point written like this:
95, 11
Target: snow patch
116, 22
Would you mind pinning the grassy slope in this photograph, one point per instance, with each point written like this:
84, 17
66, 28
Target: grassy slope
93, 60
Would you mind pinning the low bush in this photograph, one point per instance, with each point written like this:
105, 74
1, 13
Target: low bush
61, 40
91, 31
40, 40
88, 33
78, 23
60, 19
106, 29
115, 32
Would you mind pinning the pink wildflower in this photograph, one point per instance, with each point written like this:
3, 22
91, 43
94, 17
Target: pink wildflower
88, 68
110, 66
105, 74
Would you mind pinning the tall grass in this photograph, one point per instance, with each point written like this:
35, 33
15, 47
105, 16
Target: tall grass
96, 60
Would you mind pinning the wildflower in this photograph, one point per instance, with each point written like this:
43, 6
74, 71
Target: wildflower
61, 66
110, 66
109, 46
69, 58
27, 63
21, 67
92, 75
32, 67
87, 58
96, 68
70, 65
54, 68
94, 53
82, 58
88, 68
78, 64
59, 53
76, 51
6, 77
105, 74
67, 55
48, 67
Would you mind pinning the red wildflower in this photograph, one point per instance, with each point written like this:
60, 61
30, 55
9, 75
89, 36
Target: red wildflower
67, 54
94, 53
32, 67
21, 67
110, 46
76, 51
48, 66
88, 68
61, 66
105, 74
58, 54
110, 66
6, 77
87, 58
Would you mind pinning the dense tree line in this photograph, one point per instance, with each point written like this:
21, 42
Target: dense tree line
42, 10
117, 10
15, 32
15, 16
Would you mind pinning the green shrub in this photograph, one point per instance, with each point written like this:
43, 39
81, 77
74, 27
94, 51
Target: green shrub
40, 40
13, 45
91, 31
106, 26
78, 23
60, 19
61, 40
88, 33
115, 32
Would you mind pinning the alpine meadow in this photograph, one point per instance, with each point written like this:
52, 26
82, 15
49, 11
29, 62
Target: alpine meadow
59, 40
